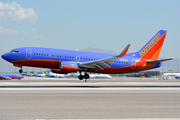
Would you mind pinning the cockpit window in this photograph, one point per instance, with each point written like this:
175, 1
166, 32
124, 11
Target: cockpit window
14, 51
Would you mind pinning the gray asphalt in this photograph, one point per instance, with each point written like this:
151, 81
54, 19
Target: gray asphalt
96, 102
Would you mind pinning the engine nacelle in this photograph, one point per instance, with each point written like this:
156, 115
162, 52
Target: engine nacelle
68, 67
58, 71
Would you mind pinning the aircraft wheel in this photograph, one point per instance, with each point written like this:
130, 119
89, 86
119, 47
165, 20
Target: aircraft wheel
20, 71
81, 77
86, 76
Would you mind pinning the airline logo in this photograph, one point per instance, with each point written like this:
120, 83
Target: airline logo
150, 44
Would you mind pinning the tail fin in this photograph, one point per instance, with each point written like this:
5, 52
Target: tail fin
152, 49
32, 72
45, 72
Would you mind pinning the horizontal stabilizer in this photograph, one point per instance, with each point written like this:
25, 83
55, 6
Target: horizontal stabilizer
158, 61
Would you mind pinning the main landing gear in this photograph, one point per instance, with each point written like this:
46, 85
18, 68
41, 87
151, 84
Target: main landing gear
85, 76
20, 71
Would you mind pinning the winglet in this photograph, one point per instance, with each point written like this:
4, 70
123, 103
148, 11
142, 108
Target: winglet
123, 53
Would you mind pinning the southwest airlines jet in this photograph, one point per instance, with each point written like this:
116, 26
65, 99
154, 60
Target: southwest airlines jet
9, 76
67, 61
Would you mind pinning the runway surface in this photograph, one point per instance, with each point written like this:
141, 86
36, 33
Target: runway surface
96, 99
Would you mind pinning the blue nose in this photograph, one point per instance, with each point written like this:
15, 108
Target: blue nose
21, 76
5, 56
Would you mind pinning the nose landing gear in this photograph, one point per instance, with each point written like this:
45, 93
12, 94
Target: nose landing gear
20, 71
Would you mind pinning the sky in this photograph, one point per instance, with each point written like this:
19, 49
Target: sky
78, 24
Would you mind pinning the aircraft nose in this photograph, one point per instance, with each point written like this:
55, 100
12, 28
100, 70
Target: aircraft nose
5, 56
21, 77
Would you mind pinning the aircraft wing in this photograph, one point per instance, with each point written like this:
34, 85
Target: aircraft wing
158, 61
95, 65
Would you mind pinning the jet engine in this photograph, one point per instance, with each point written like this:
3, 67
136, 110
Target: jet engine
58, 71
68, 67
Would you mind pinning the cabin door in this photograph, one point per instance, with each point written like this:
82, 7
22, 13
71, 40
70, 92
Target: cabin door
77, 58
133, 64
28, 53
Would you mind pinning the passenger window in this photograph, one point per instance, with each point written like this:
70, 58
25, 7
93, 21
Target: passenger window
47, 54
65, 56
57, 55
72, 57
36, 53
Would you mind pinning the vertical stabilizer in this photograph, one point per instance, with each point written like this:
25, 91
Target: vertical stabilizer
152, 49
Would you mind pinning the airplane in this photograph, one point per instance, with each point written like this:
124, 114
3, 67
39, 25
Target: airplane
169, 75
67, 61
53, 75
40, 74
74, 75
28, 74
33, 73
9, 76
